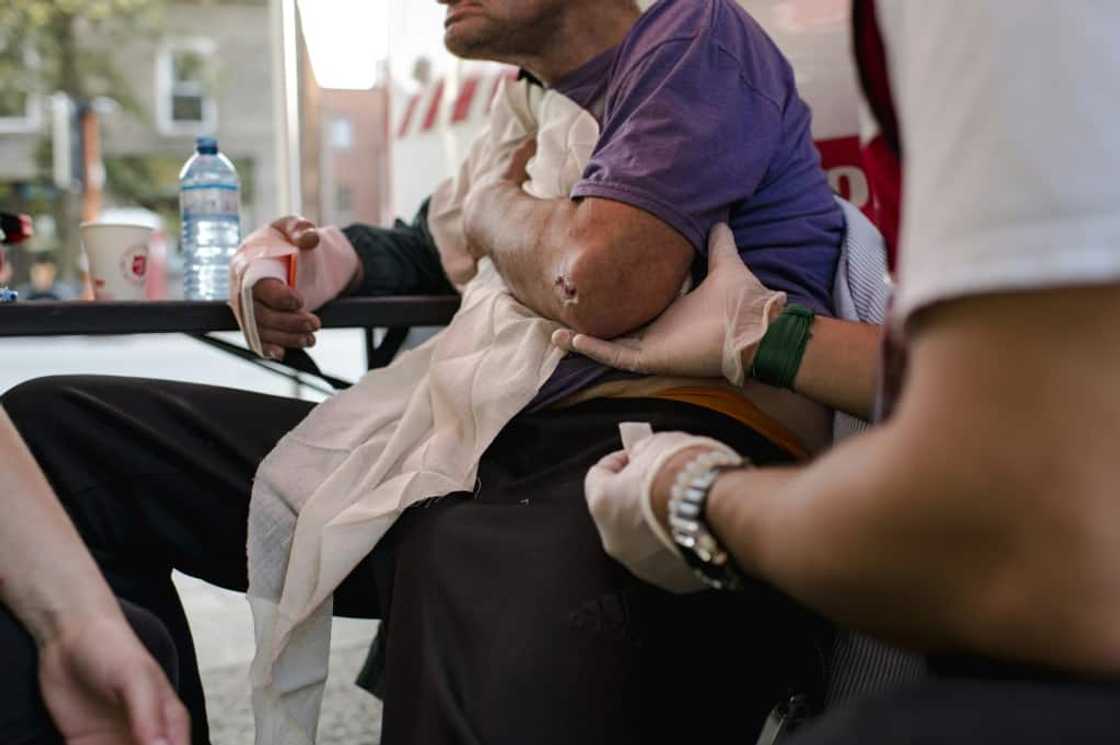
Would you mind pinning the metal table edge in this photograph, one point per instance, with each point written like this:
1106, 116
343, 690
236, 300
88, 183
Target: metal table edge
192, 317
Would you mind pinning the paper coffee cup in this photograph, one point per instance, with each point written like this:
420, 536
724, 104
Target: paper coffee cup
118, 259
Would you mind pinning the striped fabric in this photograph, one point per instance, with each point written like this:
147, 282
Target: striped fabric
862, 665
861, 290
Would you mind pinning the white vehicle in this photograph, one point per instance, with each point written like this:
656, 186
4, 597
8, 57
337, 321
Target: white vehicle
433, 125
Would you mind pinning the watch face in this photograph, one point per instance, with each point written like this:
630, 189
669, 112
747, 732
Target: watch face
708, 549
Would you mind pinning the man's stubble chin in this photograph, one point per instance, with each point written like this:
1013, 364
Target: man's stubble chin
479, 39
468, 43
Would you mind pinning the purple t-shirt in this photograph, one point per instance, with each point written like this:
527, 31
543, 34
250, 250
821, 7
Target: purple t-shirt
701, 124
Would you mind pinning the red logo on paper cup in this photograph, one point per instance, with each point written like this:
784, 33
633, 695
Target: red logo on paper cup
134, 264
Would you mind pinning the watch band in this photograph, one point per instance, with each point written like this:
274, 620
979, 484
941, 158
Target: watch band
703, 552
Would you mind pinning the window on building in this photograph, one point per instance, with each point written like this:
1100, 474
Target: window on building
344, 199
20, 109
341, 133
184, 100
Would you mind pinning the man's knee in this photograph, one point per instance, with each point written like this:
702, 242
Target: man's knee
61, 420
39, 400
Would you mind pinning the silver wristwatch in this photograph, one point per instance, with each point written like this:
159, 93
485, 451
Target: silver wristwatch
688, 499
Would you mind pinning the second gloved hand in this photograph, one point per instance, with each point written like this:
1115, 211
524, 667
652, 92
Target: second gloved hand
618, 490
704, 334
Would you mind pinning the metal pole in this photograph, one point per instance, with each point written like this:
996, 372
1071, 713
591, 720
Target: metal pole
285, 113
285, 105
93, 168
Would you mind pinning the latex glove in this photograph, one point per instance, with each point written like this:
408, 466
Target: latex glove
102, 687
283, 272
704, 334
618, 491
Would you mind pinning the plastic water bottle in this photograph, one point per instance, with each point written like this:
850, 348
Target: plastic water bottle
210, 212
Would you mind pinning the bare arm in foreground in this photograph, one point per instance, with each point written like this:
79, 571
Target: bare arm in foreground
100, 684
983, 517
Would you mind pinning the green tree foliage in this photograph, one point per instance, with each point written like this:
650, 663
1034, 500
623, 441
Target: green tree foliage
68, 46
43, 47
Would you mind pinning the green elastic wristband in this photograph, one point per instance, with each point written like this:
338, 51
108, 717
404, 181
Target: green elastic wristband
782, 348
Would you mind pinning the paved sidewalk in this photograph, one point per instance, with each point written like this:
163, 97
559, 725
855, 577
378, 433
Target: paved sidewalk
223, 631
350, 715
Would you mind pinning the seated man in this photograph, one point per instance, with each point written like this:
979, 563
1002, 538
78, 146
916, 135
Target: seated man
506, 621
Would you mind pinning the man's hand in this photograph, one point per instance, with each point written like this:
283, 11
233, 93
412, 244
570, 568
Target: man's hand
725, 316
280, 319
102, 687
517, 168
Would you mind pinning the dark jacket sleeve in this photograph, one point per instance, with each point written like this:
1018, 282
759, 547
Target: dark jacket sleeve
401, 260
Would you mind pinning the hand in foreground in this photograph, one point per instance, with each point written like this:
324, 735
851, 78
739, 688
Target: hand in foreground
620, 489
102, 687
704, 334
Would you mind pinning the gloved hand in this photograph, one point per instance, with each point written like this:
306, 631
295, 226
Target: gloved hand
618, 490
704, 334
283, 272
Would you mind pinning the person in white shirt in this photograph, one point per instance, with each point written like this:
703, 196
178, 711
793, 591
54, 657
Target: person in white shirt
980, 523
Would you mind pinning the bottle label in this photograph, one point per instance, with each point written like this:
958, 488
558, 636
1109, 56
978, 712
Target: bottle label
210, 199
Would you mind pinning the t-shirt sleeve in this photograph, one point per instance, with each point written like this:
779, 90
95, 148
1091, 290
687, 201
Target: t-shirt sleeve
684, 137
1009, 124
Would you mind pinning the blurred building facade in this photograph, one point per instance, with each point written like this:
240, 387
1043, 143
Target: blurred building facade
202, 68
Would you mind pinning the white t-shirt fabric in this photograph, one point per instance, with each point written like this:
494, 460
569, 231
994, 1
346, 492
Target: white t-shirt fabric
1010, 125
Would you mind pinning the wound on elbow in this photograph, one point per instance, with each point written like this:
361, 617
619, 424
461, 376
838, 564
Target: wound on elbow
566, 290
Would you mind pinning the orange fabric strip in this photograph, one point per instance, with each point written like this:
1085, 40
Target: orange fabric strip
739, 408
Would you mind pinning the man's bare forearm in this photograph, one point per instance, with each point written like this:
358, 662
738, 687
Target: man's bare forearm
833, 535
981, 518
512, 229
896, 552
47, 577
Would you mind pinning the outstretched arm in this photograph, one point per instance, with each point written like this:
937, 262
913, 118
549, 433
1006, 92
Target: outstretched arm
691, 338
372, 261
982, 517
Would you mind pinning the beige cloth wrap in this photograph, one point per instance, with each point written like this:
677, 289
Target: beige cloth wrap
321, 274
335, 484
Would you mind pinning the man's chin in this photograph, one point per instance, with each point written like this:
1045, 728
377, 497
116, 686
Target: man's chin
458, 48
462, 43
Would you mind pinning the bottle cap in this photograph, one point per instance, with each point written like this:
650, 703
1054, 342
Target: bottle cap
207, 145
